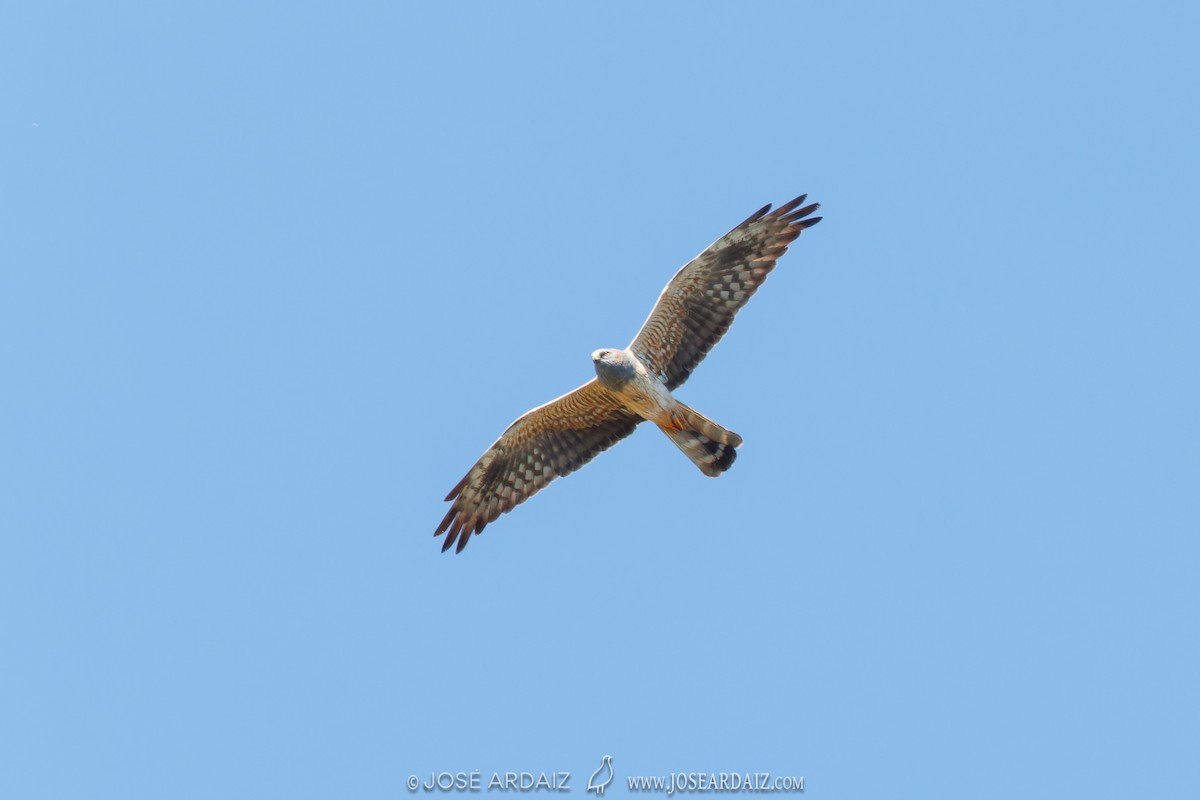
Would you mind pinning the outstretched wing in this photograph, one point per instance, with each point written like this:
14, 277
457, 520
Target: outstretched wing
699, 303
551, 440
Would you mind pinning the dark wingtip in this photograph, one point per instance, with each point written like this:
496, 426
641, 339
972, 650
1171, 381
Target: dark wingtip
755, 216
461, 544
788, 206
446, 520
800, 213
453, 521
458, 488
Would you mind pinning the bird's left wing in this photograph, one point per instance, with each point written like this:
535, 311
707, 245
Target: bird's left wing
698, 305
551, 440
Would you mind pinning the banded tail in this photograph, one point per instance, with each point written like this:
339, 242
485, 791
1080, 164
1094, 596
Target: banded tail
709, 446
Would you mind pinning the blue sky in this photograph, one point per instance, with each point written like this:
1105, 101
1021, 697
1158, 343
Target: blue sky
275, 276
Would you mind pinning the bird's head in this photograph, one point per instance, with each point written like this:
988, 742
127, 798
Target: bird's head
612, 367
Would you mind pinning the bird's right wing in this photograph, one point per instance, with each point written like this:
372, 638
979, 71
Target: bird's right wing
551, 440
698, 305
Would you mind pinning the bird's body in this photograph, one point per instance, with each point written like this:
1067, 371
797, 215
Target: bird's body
706, 443
624, 374
634, 384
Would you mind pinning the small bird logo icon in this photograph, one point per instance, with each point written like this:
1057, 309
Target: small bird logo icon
602, 777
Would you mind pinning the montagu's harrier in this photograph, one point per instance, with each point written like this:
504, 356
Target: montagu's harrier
634, 384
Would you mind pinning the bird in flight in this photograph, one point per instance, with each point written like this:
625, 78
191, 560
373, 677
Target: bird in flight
634, 384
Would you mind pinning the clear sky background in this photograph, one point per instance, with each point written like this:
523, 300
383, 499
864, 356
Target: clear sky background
275, 274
